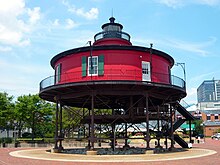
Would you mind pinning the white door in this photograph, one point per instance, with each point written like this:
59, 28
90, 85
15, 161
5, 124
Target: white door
146, 76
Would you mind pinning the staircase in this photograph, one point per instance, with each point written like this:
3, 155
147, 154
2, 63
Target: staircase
180, 141
184, 112
179, 122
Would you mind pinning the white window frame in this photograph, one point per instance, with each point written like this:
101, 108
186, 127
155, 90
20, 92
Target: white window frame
217, 116
57, 73
89, 64
146, 72
208, 115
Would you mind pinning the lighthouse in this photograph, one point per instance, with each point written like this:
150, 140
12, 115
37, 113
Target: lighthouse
133, 83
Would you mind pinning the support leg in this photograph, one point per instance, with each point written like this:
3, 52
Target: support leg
61, 129
190, 131
158, 127
89, 141
56, 126
92, 124
147, 124
126, 135
114, 139
171, 128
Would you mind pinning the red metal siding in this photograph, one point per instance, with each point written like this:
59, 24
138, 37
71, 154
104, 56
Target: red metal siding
112, 41
118, 65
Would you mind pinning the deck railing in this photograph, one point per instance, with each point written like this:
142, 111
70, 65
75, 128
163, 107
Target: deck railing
112, 75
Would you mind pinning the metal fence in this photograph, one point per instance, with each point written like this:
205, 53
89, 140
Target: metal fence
112, 34
112, 75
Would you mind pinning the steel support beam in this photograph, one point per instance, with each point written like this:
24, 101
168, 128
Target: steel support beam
190, 131
56, 125
158, 126
147, 123
89, 140
61, 127
171, 127
92, 123
126, 134
114, 138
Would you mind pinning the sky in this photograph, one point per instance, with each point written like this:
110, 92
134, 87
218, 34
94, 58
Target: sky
32, 32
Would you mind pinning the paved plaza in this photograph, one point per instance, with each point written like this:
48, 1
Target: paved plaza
207, 153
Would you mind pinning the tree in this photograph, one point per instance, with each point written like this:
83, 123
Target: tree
6, 111
198, 127
71, 119
33, 112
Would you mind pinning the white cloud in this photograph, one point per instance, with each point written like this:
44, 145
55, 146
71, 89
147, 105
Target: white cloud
13, 28
208, 2
5, 48
70, 24
56, 22
198, 48
191, 92
181, 3
14, 7
191, 97
172, 3
90, 15
34, 15
18, 78
203, 76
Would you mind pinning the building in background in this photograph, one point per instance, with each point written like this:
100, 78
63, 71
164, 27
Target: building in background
208, 107
211, 121
208, 95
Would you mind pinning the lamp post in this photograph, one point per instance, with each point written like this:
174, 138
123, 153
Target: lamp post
183, 67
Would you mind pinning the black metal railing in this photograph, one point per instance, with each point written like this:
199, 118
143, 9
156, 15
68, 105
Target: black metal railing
112, 34
112, 75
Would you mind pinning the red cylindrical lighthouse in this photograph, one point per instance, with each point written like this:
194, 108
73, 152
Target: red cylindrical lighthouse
112, 57
113, 74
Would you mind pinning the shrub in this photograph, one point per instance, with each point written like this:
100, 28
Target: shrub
6, 140
26, 135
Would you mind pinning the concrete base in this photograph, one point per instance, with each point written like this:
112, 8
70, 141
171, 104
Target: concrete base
91, 152
126, 147
60, 148
171, 149
149, 152
55, 150
159, 150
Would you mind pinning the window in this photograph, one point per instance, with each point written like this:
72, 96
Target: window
216, 116
57, 73
93, 65
208, 117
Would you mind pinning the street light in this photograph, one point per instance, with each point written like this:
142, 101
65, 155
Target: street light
183, 67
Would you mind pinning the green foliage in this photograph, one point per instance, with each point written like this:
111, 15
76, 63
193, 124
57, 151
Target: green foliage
26, 135
198, 127
6, 140
33, 112
71, 119
6, 110
28, 111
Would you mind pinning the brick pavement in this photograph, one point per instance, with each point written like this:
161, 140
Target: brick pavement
6, 159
